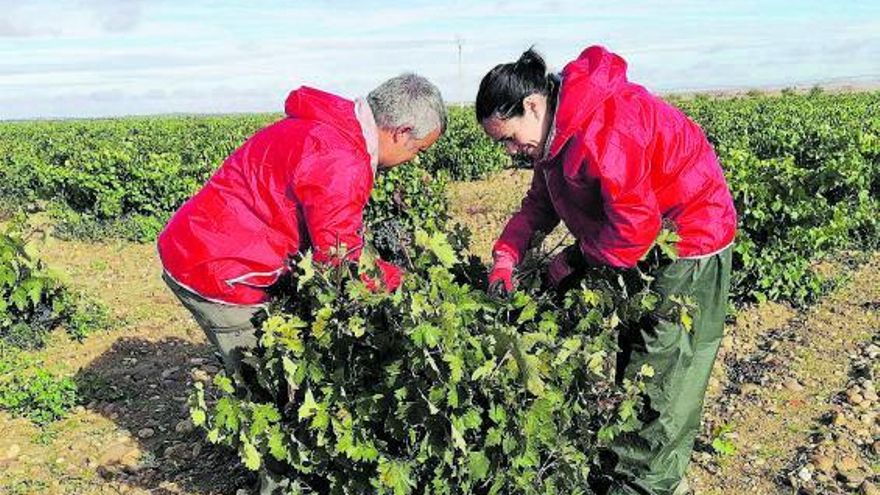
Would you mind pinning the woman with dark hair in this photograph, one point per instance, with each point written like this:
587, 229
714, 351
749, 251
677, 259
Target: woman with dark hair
614, 163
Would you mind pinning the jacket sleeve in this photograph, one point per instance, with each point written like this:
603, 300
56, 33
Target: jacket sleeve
536, 214
331, 189
632, 216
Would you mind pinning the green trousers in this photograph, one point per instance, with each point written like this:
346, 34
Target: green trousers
233, 330
653, 459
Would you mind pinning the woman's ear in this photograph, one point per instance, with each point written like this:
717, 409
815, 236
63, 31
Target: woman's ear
535, 104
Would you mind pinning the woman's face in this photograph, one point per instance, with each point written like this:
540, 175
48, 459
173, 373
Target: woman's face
525, 134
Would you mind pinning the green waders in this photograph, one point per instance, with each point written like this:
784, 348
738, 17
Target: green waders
653, 459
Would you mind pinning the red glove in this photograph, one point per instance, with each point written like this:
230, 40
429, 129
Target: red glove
390, 276
565, 264
501, 277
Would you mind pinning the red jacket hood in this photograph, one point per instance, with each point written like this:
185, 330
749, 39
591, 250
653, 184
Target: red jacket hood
586, 83
313, 104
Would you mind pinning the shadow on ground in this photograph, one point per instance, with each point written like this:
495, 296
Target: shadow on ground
142, 386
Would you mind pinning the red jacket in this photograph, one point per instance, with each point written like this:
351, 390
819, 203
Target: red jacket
619, 162
301, 182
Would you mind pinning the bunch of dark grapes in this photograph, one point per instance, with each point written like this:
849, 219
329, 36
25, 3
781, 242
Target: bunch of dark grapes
392, 239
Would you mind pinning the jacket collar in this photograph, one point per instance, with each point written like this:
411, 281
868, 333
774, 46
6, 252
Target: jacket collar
364, 115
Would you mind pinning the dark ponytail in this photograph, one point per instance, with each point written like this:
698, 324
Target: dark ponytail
503, 89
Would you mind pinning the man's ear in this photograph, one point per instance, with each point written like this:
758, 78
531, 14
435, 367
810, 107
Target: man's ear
402, 133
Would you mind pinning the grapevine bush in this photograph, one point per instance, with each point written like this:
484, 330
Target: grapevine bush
804, 171
436, 388
33, 300
29, 389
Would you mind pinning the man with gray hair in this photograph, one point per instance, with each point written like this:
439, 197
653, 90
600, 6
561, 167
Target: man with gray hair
299, 183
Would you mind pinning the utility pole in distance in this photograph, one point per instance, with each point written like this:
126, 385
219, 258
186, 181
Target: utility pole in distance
458, 42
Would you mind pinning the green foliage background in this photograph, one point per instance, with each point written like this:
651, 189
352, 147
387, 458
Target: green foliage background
803, 170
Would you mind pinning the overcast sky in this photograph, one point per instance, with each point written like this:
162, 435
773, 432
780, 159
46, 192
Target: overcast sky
86, 58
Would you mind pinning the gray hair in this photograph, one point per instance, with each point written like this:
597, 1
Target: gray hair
408, 100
